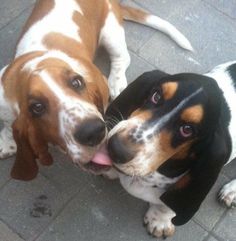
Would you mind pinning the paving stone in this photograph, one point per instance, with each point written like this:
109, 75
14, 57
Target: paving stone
102, 61
211, 239
68, 178
211, 210
190, 231
6, 234
138, 66
5, 168
11, 9
230, 170
136, 34
227, 7
226, 229
9, 37
212, 43
104, 212
28, 207
167, 8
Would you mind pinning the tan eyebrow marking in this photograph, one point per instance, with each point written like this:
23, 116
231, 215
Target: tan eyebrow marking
169, 89
193, 114
145, 115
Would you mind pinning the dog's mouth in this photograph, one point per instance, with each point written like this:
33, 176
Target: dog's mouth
100, 162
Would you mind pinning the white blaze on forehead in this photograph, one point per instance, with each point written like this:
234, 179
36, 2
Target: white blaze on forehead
75, 65
167, 117
58, 20
65, 100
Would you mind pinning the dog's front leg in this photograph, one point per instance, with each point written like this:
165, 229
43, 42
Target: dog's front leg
158, 220
112, 37
7, 143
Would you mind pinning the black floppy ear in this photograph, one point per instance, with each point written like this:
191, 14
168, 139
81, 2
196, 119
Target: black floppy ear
134, 95
186, 196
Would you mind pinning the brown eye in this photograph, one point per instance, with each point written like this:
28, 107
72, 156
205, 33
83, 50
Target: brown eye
77, 82
186, 131
37, 109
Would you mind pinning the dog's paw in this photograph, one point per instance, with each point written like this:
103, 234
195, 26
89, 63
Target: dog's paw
158, 223
227, 194
7, 149
116, 85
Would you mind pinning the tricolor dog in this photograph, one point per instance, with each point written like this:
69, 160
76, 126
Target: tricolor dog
174, 135
52, 92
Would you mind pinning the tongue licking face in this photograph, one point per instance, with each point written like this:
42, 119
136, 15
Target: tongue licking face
100, 162
102, 157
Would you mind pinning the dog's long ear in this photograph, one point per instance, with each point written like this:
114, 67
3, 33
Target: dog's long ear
30, 146
134, 95
186, 196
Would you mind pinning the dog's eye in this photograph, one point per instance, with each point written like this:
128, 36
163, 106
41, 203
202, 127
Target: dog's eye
37, 108
186, 131
156, 97
77, 82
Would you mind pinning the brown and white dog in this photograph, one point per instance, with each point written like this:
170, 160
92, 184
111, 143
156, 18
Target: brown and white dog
52, 92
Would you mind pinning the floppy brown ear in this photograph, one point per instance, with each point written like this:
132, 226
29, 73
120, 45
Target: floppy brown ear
29, 147
25, 166
186, 196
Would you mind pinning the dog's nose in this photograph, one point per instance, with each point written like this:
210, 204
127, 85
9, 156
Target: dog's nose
118, 151
90, 132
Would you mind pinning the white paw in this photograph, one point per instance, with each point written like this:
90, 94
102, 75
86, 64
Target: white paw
116, 85
110, 174
7, 149
159, 223
7, 143
227, 194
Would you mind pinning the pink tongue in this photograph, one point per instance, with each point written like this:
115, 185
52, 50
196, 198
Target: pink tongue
102, 157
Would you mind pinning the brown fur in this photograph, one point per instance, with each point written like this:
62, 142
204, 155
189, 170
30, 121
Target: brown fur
193, 114
169, 89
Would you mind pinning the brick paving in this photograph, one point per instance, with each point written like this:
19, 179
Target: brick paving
65, 204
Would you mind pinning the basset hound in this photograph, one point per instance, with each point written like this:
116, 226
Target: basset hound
52, 92
171, 136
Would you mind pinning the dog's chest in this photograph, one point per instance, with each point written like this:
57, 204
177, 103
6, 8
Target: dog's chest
148, 188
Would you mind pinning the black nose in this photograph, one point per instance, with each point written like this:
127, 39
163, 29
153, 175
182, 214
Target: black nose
90, 132
118, 150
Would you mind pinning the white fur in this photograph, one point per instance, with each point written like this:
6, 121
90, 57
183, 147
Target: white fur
150, 188
228, 194
75, 65
158, 220
58, 20
169, 29
112, 37
72, 111
7, 143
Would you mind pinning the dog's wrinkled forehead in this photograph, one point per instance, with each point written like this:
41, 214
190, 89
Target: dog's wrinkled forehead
172, 99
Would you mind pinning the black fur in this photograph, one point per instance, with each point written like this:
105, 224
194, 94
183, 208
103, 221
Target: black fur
212, 146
